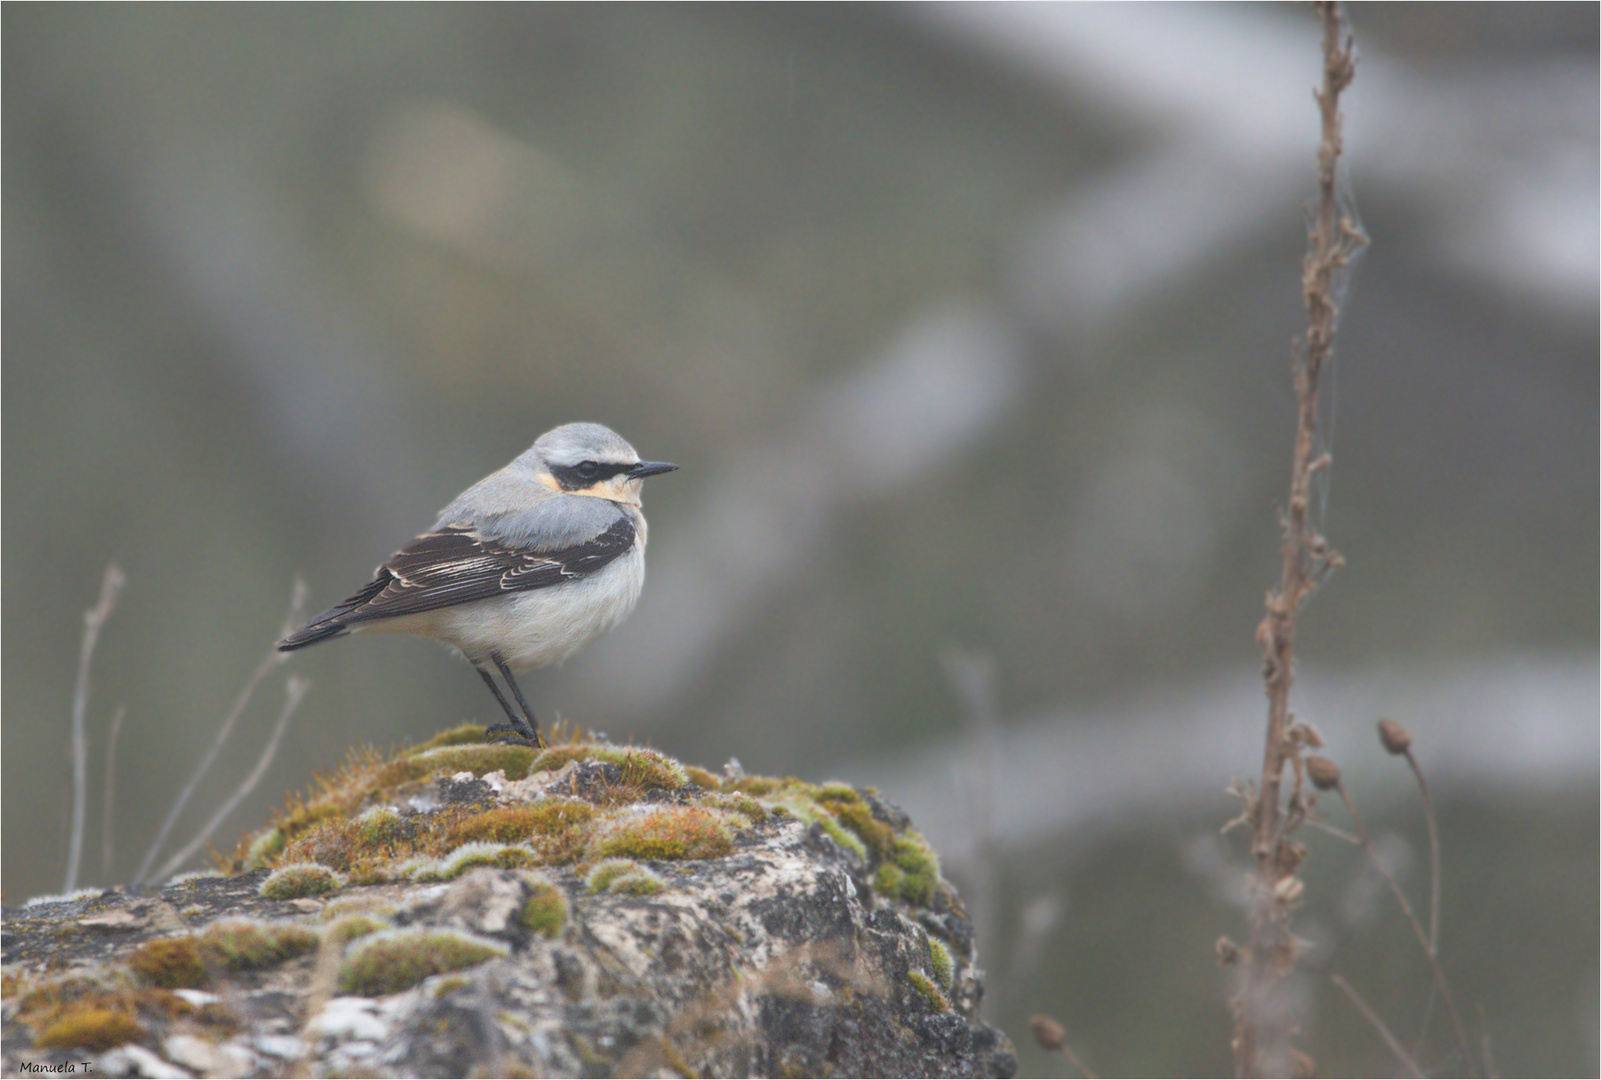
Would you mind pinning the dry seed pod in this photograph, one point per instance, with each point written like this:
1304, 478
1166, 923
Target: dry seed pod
1324, 773
1047, 1032
1396, 739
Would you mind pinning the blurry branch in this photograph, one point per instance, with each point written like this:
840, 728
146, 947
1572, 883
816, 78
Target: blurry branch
294, 692
108, 795
1487, 1055
1378, 1025
1036, 921
273, 659
1264, 1023
1049, 1034
972, 676
93, 619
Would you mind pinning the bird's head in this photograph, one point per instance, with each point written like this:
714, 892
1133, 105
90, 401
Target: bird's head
592, 459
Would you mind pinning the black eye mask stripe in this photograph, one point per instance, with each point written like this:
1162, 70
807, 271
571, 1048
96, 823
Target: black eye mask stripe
571, 479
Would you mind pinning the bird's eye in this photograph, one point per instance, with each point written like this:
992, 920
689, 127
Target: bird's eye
588, 469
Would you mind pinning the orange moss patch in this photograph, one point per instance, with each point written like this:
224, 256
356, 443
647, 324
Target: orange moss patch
338, 795
514, 824
556, 829
91, 1028
187, 963
171, 963
71, 1013
676, 832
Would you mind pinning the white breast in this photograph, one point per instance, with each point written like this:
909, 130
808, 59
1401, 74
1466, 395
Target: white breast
538, 627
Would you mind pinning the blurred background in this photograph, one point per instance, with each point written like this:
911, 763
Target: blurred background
971, 328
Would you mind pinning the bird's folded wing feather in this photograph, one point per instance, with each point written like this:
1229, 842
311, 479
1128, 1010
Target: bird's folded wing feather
459, 565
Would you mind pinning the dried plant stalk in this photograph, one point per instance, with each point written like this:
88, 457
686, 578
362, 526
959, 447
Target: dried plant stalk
1264, 1023
297, 601
294, 692
93, 619
109, 796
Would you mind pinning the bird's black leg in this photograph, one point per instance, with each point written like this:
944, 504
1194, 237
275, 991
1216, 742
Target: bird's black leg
517, 731
505, 673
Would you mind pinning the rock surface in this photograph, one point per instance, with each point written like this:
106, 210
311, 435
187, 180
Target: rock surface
459, 910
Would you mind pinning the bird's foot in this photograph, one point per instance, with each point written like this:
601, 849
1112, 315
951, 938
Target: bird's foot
513, 735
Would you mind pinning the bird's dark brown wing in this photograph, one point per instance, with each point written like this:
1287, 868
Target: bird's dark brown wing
457, 566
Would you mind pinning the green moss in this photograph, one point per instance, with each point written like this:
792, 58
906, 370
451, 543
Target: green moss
91, 1028
624, 876
171, 963
380, 825
703, 778
670, 833
758, 786
446, 987
342, 906
841, 836
514, 761
64, 898
372, 849
642, 770
263, 846
300, 879
348, 928
421, 868
456, 736
468, 856
545, 911
604, 873
798, 803
930, 993
920, 866
248, 945
733, 802
190, 877
545, 820
857, 816
888, 880
396, 960
939, 958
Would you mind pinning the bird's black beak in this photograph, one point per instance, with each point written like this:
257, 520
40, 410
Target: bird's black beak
649, 468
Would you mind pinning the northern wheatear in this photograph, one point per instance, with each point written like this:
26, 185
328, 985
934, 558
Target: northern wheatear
522, 569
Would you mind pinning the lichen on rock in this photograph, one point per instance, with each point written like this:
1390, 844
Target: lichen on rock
588, 909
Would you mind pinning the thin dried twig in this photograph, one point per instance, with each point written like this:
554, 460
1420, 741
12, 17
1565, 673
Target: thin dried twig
1340, 834
93, 619
294, 692
1484, 1042
1417, 930
269, 662
1434, 854
108, 796
1389, 1038
1263, 1025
